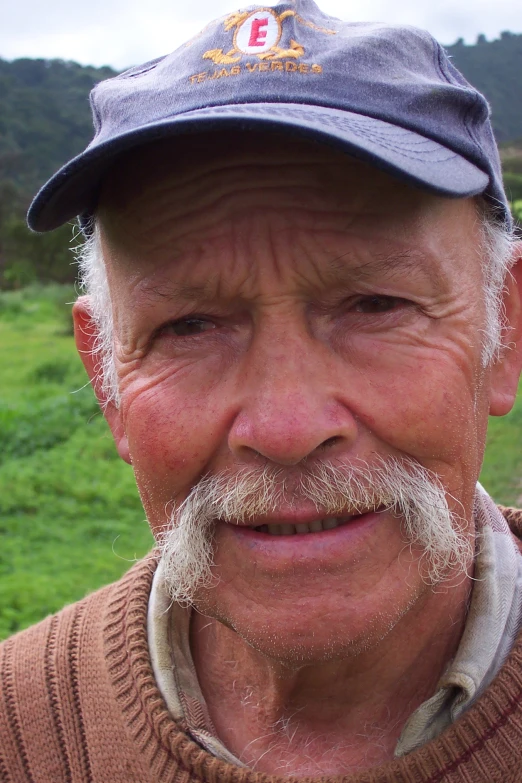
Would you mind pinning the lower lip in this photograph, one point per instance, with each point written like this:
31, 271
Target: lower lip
303, 545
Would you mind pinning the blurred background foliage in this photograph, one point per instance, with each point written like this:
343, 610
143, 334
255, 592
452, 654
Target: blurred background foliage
70, 516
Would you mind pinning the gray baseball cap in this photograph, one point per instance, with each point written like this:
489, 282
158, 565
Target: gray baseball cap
385, 94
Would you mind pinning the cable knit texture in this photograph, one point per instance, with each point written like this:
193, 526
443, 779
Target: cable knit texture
79, 704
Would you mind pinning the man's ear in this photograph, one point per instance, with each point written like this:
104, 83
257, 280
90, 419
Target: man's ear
85, 337
505, 373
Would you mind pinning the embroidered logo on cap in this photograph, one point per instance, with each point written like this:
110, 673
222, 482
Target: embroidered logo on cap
257, 34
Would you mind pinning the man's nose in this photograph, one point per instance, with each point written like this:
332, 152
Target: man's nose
292, 405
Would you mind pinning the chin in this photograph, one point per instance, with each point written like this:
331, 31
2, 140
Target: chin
298, 636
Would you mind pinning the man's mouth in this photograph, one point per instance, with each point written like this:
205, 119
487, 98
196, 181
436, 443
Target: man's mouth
315, 526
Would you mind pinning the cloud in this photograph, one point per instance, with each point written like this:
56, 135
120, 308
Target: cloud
126, 32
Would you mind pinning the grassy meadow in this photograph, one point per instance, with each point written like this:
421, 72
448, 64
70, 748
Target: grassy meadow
70, 516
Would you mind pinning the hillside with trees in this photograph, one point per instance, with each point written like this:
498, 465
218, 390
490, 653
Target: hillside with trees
511, 155
494, 68
45, 120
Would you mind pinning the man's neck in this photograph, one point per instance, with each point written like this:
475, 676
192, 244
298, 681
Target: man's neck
327, 717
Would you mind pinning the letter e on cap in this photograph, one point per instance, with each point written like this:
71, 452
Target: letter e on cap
258, 33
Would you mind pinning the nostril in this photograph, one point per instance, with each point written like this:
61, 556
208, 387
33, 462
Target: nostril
326, 444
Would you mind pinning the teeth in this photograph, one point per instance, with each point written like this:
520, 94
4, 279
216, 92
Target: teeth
329, 523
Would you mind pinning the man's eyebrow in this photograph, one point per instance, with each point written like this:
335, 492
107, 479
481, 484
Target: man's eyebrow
385, 265
179, 291
343, 268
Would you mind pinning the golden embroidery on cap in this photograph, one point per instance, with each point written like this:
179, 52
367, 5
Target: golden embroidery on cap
234, 20
311, 25
296, 50
257, 34
217, 56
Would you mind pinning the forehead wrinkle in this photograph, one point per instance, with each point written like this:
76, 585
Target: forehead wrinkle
219, 205
178, 199
200, 176
384, 266
200, 181
172, 291
233, 280
216, 287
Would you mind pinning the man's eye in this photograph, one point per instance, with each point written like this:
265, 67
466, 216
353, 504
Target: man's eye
377, 304
188, 327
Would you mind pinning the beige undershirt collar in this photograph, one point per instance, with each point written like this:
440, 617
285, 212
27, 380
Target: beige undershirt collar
491, 628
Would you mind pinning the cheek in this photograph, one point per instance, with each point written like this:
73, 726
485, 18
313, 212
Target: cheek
426, 406
172, 437
172, 410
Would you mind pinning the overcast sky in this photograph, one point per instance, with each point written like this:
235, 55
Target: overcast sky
126, 32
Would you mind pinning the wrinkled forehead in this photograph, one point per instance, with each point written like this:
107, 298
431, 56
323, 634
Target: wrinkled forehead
202, 167
188, 156
176, 194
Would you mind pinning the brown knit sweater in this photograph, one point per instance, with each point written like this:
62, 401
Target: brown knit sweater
78, 703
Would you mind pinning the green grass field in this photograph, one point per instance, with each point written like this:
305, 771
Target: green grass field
70, 516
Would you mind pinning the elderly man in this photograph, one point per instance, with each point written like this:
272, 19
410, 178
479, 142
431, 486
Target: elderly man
302, 302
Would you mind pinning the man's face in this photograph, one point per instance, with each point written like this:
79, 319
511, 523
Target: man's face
283, 305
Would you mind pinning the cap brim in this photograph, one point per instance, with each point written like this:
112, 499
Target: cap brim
405, 154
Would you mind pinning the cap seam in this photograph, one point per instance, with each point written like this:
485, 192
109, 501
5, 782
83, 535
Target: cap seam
467, 123
132, 74
472, 92
95, 114
393, 123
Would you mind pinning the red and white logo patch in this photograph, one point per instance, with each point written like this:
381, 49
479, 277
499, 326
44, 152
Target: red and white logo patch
258, 33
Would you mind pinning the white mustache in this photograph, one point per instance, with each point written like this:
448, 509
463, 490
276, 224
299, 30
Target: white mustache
413, 493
